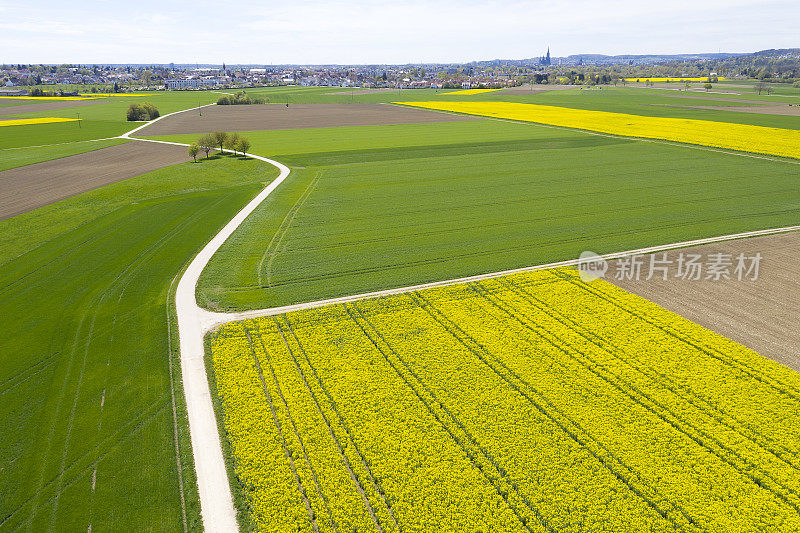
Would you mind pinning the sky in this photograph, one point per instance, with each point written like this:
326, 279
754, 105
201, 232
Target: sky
382, 32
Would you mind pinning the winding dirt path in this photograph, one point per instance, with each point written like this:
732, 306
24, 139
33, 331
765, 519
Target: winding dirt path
216, 501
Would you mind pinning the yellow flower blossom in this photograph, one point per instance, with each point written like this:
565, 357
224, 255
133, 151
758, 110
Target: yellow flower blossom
43, 98
532, 402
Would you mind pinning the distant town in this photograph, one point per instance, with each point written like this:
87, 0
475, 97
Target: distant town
773, 65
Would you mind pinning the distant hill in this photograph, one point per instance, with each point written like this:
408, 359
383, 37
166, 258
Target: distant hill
645, 59
779, 52
602, 59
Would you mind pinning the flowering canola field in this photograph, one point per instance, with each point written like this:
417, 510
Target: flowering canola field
467, 92
45, 98
742, 137
532, 402
27, 121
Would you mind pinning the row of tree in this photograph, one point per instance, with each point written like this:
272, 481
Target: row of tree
240, 98
219, 139
143, 111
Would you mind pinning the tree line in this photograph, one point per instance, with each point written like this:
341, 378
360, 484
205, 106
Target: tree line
240, 98
222, 140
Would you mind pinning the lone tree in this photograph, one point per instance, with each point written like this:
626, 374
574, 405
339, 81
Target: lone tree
243, 145
219, 139
194, 149
232, 142
707, 87
206, 143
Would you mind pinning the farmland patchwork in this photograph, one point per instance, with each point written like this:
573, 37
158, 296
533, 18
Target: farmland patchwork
742, 137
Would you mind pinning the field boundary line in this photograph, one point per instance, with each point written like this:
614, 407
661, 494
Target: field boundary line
255, 313
175, 428
59, 144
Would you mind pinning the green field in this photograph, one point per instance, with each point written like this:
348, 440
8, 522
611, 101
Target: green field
108, 118
389, 206
90, 396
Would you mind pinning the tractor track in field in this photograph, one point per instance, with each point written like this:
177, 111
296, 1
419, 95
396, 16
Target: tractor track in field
284, 441
217, 509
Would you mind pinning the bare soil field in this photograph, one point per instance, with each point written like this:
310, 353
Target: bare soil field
528, 89
716, 99
784, 109
295, 116
26, 188
787, 110
46, 106
679, 87
359, 92
763, 314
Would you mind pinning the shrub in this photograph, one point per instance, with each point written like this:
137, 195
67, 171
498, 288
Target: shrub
144, 111
240, 98
152, 111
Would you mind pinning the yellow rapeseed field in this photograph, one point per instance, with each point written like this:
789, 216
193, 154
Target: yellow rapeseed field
534, 402
106, 95
28, 121
467, 92
741, 137
45, 98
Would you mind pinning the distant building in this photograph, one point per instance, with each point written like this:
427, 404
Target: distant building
190, 83
545, 61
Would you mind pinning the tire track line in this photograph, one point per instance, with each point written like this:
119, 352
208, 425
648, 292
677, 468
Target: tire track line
283, 230
286, 451
498, 478
724, 453
371, 479
628, 476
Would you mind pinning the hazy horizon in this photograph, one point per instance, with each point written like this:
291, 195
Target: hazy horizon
383, 32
